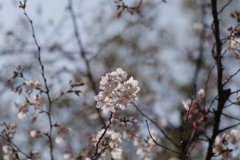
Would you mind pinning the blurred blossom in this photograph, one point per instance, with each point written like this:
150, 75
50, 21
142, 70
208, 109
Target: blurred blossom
22, 111
234, 44
35, 134
37, 102
13, 126
6, 149
30, 84
67, 156
36, 154
64, 131
186, 104
198, 27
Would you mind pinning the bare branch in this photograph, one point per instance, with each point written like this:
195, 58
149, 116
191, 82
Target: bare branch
83, 55
225, 6
158, 143
165, 135
186, 118
45, 83
231, 77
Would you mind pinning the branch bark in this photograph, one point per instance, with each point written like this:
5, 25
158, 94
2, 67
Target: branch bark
223, 95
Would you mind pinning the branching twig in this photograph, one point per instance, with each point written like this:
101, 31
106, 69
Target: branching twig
230, 117
186, 118
158, 143
206, 84
225, 6
222, 130
231, 77
139, 5
46, 86
15, 146
96, 154
165, 135
83, 55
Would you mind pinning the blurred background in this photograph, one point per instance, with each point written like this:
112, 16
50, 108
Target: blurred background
167, 47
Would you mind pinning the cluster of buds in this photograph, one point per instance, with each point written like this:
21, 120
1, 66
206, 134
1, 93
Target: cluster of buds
9, 130
236, 15
193, 108
117, 91
234, 35
23, 108
120, 5
75, 84
220, 145
146, 147
72, 85
8, 152
234, 45
23, 5
8, 133
9, 84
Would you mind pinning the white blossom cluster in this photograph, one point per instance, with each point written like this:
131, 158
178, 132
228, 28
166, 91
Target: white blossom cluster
7, 152
23, 108
120, 128
30, 84
117, 91
234, 44
220, 145
110, 145
146, 147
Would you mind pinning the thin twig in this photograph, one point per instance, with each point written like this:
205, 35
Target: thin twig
191, 148
231, 77
191, 138
83, 55
96, 154
139, 5
215, 98
166, 136
230, 117
57, 98
222, 130
225, 6
158, 143
186, 118
15, 146
45, 83
206, 84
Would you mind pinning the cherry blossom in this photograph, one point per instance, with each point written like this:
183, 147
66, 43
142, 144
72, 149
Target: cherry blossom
220, 146
118, 92
35, 134
234, 44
